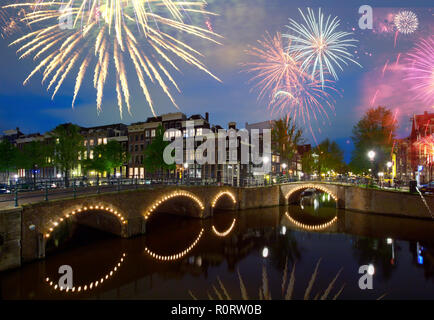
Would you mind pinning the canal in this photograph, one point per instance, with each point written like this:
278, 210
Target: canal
182, 257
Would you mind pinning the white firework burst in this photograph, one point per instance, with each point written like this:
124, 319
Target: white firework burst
406, 22
319, 44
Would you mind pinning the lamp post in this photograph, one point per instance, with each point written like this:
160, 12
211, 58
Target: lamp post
265, 160
389, 166
371, 156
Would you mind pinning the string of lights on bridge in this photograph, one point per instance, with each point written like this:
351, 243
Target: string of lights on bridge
312, 186
82, 210
225, 233
170, 196
176, 256
222, 194
311, 227
90, 286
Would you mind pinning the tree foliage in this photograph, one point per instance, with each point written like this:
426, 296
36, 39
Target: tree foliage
8, 157
68, 146
325, 157
285, 137
153, 154
375, 131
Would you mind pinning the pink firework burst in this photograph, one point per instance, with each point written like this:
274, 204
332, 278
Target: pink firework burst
420, 70
285, 87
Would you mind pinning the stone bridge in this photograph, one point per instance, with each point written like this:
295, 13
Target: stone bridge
29, 228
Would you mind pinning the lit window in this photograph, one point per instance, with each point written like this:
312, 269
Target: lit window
104, 140
91, 154
85, 143
191, 133
153, 133
178, 133
91, 142
199, 132
147, 133
99, 141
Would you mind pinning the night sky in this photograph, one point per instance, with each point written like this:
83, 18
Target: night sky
241, 23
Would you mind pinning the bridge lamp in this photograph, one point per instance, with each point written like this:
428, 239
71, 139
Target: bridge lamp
265, 252
186, 165
118, 174
59, 176
380, 174
371, 155
389, 164
284, 166
265, 160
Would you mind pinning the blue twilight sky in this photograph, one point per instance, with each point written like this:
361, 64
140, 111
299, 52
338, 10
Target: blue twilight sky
241, 23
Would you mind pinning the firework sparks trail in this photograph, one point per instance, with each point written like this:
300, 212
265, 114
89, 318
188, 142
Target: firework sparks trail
374, 98
319, 44
385, 67
281, 82
419, 67
101, 36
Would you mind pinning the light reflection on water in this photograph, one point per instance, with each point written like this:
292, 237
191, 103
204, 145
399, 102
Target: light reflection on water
180, 254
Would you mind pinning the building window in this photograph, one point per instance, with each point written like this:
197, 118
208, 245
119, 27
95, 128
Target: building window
153, 133
85, 143
136, 148
137, 137
104, 140
141, 147
91, 142
147, 133
141, 137
91, 154
199, 132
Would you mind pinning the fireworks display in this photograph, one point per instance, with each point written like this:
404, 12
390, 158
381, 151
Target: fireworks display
280, 80
95, 36
9, 23
406, 22
319, 44
420, 70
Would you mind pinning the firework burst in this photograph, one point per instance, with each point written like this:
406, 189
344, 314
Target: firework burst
319, 44
95, 36
406, 22
288, 89
420, 70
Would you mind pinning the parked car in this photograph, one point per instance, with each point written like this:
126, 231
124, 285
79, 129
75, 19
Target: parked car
427, 188
4, 189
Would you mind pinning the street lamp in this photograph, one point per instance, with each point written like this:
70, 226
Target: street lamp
59, 176
371, 156
284, 166
265, 160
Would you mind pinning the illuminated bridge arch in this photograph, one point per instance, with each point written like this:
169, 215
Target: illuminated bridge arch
174, 194
81, 210
178, 255
88, 286
309, 227
302, 187
221, 194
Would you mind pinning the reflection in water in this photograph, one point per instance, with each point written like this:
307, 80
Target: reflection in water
225, 233
93, 284
177, 255
253, 239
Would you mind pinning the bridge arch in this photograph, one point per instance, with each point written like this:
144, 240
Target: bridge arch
69, 214
221, 194
178, 255
170, 195
298, 189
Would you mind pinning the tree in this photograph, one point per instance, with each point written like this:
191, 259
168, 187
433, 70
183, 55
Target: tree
285, 136
153, 154
107, 157
8, 157
375, 131
68, 146
325, 157
33, 156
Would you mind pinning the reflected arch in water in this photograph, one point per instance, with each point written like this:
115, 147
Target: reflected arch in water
297, 190
226, 232
91, 285
309, 227
82, 210
171, 195
221, 194
178, 255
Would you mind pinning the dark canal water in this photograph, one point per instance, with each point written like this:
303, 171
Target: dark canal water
179, 255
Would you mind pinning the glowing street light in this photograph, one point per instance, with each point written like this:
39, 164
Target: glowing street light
59, 176
265, 252
389, 164
118, 174
265, 160
371, 155
284, 166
